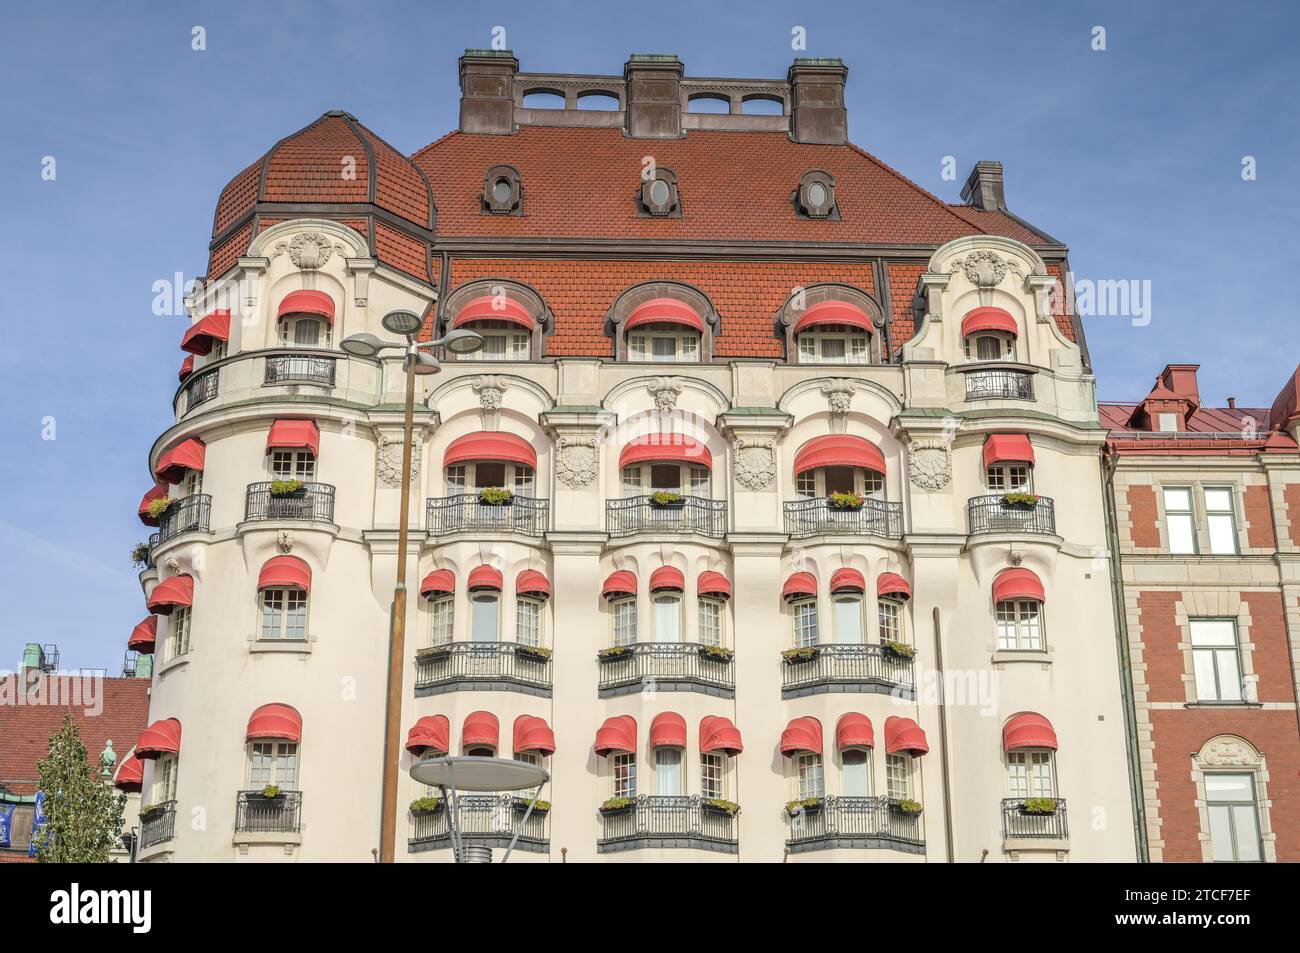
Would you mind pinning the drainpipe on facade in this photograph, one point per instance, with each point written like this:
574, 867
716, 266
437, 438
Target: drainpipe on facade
943, 738
1125, 666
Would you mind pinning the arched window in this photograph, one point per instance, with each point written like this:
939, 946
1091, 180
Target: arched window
669, 463
1018, 607
800, 594
283, 586
801, 742
306, 319
1008, 463
847, 587
273, 734
511, 318
831, 323
663, 322
989, 334
840, 464
1030, 745
488, 460
892, 591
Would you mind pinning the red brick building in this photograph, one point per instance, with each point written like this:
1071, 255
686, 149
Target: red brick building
1207, 507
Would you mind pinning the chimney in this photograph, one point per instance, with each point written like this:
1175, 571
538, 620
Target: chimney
1232, 403
983, 188
487, 92
1181, 379
817, 112
654, 95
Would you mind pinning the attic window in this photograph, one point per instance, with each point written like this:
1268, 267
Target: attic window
502, 192
659, 194
816, 196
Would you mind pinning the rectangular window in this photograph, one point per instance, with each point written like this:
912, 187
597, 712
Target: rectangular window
1029, 774
700, 481
192, 483
442, 612
668, 772
710, 622
712, 776
624, 621
664, 349
623, 772
523, 480
848, 620
284, 614
898, 776
1179, 520
1220, 521
807, 349
1234, 818
1216, 660
808, 771
1168, 423
891, 621
293, 465
873, 484
519, 347
631, 481
456, 479
1009, 478
528, 622
273, 762
988, 347
636, 347
164, 781
483, 617
833, 350
668, 619
1020, 625
178, 628
856, 769
805, 623
806, 483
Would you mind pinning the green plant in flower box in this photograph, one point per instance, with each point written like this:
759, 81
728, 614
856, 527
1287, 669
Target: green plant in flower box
495, 496
901, 649
285, 487
160, 506
613, 804
1039, 805
730, 808
425, 805
271, 791
1029, 500
846, 501
665, 498
799, 805
140, 554
907, 806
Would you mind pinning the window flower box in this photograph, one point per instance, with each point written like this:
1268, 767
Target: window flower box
801, 655
617, 805
845, 501
667, 500
717, 805
432, 652
269, 793
716, 653
617, 651
1020, 501
905, 807
539, 806
160, 506
808, 805
148, 810
140, 555
495, 496
534, 653
426, 805
899, 650
1038, 806
293, 489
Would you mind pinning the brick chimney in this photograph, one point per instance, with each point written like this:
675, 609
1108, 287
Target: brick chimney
983, 188
817, 112
654, 95
1181, 379
487, 91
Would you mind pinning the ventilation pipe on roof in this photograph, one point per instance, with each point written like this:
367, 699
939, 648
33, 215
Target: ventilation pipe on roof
983, 188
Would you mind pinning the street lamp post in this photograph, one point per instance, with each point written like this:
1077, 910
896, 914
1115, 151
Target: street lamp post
416, 361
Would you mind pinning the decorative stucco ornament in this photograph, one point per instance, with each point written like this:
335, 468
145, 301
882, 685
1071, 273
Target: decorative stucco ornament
984, 268
1228, 752
284, 541
307, 250
755, 464
388, 460
929, 465
665, 391
839, 395
575, 462
490, 389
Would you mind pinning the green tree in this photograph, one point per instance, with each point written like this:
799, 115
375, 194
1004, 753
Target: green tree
83, 815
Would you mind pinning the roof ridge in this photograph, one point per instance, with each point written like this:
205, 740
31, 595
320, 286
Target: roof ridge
908, 182
441, 139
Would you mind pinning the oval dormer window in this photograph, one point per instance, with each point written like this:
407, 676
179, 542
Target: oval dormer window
659, 192
817, 194
501, 189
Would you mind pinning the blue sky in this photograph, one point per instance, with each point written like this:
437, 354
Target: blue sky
1132, 156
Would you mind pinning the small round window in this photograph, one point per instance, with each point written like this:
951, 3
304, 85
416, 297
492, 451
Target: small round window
659, 192
817, 195
501, 191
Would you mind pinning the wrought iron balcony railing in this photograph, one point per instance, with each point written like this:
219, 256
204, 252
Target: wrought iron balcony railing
847, 668
158, 824
315, 501
483, 666
666, 666
855, 822
690, 514
990, 514
1018, 823
255, 813
485, 820
299, 369
525, 515
188, 514
201, 387
656, 821
999, 382
815, 517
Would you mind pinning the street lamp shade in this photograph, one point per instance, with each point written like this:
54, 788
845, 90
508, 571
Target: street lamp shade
425, 363
462, 341
364, 344
402, 322
467, 773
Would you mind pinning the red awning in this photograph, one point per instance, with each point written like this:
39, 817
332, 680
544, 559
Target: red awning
171, 592
187, 455
672, 447
203, 333
668, 730
892, 584
848, 580
294, 435
802, 734
162, 737
621, 583
157, 493
495, 446
480, 730
530, 582
1000, 447
438, 583
274, 721
308, 302
130, 773
903, 734
712, 583
144, 636
187, 368
616, 735
484, 577
1028, 730
719, 734
533, 734
430, 733
799, 584
285, 572
839, 450
494, 308
833, 312
1017, 583
665, 311
854, 730
987, 319
666, 577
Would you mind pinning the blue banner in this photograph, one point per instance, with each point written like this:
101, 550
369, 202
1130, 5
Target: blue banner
6, 825
38, 821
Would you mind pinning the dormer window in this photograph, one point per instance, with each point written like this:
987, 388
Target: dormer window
816, 195
306, 319
509, 318
663, 323
989, 334
502, 191
831, 324
659, 194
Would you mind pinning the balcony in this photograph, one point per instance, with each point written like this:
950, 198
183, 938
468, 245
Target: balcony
300, 369
485, 820
255, 813
990, 514
1037, 829
861, 823
867, 669
666, 667
315, 501
816, 517
484, 667
158, 825
188, 514
657, 822
691, 514
999, 382
200, 388
524, 515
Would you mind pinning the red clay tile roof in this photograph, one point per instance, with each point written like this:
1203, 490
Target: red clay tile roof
25, 729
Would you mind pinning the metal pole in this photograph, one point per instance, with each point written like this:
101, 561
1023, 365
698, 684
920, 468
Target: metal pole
520, 826
397, 639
